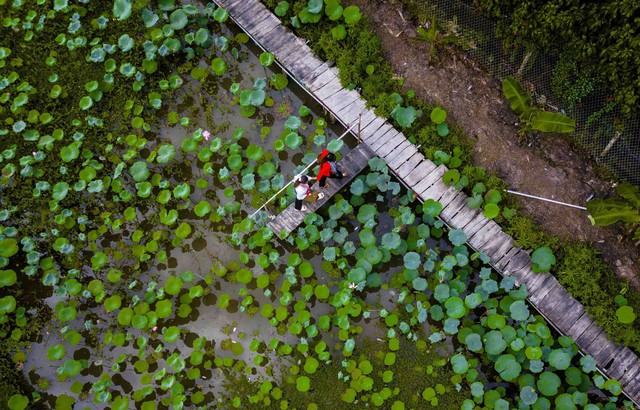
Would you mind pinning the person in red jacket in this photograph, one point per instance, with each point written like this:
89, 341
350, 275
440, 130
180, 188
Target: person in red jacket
328, 169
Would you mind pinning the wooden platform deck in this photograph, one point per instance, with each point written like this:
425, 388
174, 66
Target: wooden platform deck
424, 177
353, 163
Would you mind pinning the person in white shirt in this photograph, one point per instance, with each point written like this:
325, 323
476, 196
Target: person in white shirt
304, 192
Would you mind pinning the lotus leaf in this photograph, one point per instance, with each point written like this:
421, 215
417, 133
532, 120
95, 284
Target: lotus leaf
391, 241
122, 9
282, 8
218, 66
443, 130
366, 213
508, 368
473, 300
625, 314
112, 303
293, 140
352, 15
588, 364
548, 384
491, 211
7, 277
559, 359
171, 334
494, 343
459, 364
411, 260
438, 115
473, 342
266, 59
431, 207
303, 383
519, 310
419, 284
404, 116
183, 231
221, 15
69, 368
455, 307
173, 285
542, 259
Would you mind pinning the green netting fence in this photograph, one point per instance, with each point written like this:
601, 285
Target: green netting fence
554, 80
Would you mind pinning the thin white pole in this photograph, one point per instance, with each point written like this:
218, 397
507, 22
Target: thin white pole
301, 172
546, 200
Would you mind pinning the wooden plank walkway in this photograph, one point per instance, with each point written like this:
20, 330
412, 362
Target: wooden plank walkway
353, 163
425, 178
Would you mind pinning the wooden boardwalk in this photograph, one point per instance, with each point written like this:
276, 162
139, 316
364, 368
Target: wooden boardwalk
353, 163
424, 177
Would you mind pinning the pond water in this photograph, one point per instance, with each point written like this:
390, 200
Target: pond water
163, 294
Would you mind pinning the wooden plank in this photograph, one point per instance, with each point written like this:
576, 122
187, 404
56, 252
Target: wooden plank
383, 136
252, 18
428, 180
524, 276
520, 260
240, 7
499, 246
262, 32
371, 129
399, 156
410, 165
502, 262
341, 99
351, 113
435, 191
544, 288
561, 308
580, 326
453, 207
587, 337
481, 236
448, 196
417, 174
475, 224
604, 355
464, 216
395, 144
553, 301
629, 376
323, 79
329, 89
536, 281
621, 363
308, 78
570, 317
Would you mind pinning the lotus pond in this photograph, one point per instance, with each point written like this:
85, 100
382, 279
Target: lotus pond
137, 138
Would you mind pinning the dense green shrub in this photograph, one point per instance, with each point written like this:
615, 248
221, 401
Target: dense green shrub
598, 36
585, 276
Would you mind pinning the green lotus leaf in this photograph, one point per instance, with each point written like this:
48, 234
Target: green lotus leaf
166, 152
431, 207
443, 129
322, 292
235, 162
164, 308
519, 310
494, 344
202, 208
220, 15
459, 364
178, 19
293, 140
8, 247
139, 171
244, 276
457, 237
303, 384
112, 303
411, 260
7, 304
548, 384
333, 10
473, 342
173, 285
438, 115
625, 314
56, 352
508, 368
352, 15
559, 359
335, 145
125, 316
182, 191
70, 368
122, 9
7, 277
404, 116
339, 32
491, 211
255, 152
171, 334
218, 66
455, 307
70, 152
281, 9
266, 59
419, 284
542, 259
366, 212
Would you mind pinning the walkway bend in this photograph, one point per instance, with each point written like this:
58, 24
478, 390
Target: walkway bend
424, 177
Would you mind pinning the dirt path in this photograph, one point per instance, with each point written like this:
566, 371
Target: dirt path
547, 167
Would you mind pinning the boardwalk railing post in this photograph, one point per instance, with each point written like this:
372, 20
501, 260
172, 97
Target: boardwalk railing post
359, 128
